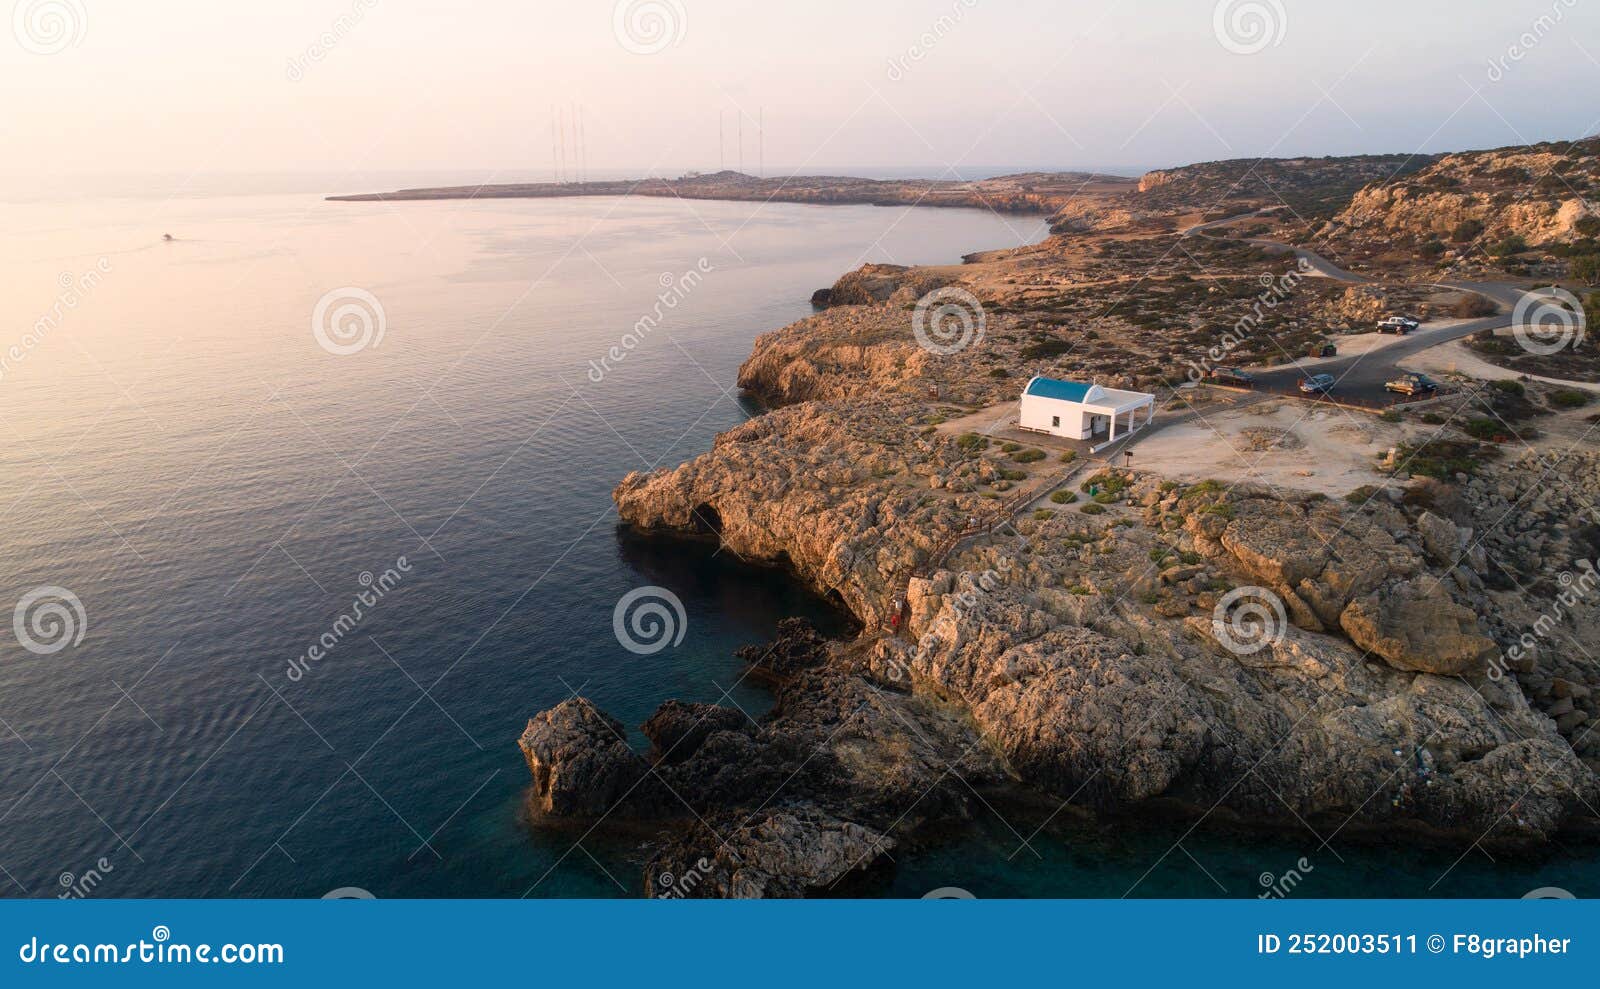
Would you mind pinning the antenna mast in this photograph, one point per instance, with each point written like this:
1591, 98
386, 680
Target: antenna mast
583, 147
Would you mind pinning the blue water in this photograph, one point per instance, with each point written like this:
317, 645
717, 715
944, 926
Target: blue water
186, 460
211, 484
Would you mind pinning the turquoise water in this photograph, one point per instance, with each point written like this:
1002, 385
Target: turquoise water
211, 484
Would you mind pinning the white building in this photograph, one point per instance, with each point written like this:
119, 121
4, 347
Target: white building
1081, 411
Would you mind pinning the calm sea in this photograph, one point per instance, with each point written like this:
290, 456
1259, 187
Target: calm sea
197, 491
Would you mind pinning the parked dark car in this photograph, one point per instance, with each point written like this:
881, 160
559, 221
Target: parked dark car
1412, 384
1232, 376
1317, 384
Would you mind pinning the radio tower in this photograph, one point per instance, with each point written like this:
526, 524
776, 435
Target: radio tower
555, 162
741, 142
722, 163
561, 128
583, 147
761, 142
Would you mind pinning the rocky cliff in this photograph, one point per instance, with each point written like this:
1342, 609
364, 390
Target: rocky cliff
1411, 661
1537, 193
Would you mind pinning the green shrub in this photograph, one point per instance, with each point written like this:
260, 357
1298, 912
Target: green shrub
1093, 508
999, 372
1069, 456
1508, 386
1466, 230
1010, 447
1028, 456
1390, 415
1569, 398
1361, 495
1472, 306
1014, 475
1442, 458
1509, 246
1106, 481
972, 441
1043, 513
1204, 488
1483, 428
1063, 497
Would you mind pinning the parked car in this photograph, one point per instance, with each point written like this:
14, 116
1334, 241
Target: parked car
1232, 376
1412, 384
1398, 325
1317, 384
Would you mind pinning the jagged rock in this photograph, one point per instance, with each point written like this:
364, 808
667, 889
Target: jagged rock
580, 764
776, 854
677, 729
1417, 625
796, 648
1440, 537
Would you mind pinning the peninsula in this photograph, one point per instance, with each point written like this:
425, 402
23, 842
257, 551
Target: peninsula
1332, 612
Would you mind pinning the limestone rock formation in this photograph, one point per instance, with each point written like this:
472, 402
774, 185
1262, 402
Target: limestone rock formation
1416, 625
580, 763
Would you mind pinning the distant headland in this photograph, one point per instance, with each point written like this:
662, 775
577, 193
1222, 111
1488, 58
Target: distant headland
1028, 192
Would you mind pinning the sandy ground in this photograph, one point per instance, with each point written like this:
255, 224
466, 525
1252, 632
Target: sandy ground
1456, 358
1326, 449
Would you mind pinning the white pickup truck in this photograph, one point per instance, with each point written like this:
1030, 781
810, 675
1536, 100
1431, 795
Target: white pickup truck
1398, 325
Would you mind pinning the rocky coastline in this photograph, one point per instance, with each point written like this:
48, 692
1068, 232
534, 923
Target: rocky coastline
1072, 656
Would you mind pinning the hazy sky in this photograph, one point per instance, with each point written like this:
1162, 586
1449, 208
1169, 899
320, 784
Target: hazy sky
208, 86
